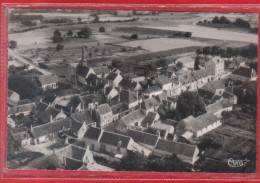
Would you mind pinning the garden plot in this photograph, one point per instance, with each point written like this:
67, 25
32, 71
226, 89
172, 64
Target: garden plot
162, 44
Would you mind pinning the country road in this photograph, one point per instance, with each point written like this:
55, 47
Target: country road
25, 61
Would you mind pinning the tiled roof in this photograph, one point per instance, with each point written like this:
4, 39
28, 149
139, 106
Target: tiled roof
143, 137
163, 80
176, 148
53, 127
88, 99
149, 119
149, 103
45, 115
111, 76
171, 122
243, 71
187, 78
201, 74
212, 86
47, 79
22, 108
162, 126
72, 164
103, 109
133, 117
114, 139
217, 106
93, 133
127, 96
49, 98
39, 109
75, 126
83, 116
120, 107
153, 89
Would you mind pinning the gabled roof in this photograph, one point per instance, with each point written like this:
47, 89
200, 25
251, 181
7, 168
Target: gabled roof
45, 115
49, 98
171, 122
162, 126
114, 139
128, 84
112, 76
212, 86
118, 108
143, 137
201, 74
73, 164
75, 126
93, 133
176, 148
149, 119
74, 152
133, 117
10, 93
103, 109
83, 116
152, 89
219, 105
53, 127
216, 60
187, 78
149, 103
22, 108
163, 80
127, 96
47, 79
41, 107
244, 71
73, 103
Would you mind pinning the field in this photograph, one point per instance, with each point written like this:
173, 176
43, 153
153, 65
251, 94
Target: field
166, 44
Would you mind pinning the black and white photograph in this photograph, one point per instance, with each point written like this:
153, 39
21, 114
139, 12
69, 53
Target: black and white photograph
130, 90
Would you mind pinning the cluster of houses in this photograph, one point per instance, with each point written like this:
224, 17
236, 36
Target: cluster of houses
127, 113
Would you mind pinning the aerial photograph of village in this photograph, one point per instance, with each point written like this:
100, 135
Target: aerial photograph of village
128, 90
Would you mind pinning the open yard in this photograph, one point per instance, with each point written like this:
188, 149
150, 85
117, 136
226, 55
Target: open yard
162, 44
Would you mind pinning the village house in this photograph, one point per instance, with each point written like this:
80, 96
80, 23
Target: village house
104, 114
128, 84
24, 137
202, 77
25, 109
91, 101
130, 98
146, 140
215, 66
185, 152
212, 88
187, 62
219, 106
75, 157
150, 105
111, 143
113, 79
165, 84
48, 81
119, 110
164, 128
188, 82
41, 107
132, 119
110, 92
176, 87
48, 131
15, 97
244, 74
150, 119
152, 91
51, 114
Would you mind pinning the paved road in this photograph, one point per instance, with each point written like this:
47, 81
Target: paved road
25, 61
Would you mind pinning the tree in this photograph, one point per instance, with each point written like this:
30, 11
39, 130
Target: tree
197, 63
69, 33
224, 20
79, 19
134, 36
84, 33
59, 47
102, 29
133, 161
187, 34
252, 52
206, 50
215, 50
13, 145
116, 63
190, 103
229, 52
57, 36
215, 19
179, 65
199, 51
12, 44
